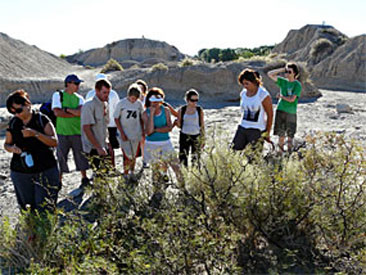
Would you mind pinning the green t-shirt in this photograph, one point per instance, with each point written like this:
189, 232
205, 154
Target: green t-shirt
69, 126
288, 89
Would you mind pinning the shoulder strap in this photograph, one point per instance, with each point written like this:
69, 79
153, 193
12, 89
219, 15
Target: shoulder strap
184, 109
199, 110
61, 95
40, 121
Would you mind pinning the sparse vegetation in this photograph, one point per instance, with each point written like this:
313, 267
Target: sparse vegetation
239, 213
159, 67
320, 47
186, 62
228, 54
111, 66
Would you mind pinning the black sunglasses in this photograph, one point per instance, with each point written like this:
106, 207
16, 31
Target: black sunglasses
194, 100
288, 72
19, 110
76, 83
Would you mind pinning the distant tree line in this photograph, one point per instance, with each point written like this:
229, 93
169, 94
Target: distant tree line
216, 54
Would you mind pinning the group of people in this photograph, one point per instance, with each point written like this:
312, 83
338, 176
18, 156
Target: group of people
139, 124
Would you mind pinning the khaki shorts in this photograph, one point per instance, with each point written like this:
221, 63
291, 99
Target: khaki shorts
285, 124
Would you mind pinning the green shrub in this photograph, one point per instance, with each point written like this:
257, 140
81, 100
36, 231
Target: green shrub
111, 66
238, 213
63, 56
159, 67
321, 47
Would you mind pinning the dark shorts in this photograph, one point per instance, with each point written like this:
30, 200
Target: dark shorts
244, 136
285, 124
112, 131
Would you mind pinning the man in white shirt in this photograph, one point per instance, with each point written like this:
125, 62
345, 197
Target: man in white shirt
113, 99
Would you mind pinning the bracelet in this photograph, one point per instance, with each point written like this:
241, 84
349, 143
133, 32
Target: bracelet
37, 134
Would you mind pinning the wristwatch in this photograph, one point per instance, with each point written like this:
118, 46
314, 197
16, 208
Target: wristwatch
37, 134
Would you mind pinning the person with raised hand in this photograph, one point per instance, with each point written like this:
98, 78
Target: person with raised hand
290, 91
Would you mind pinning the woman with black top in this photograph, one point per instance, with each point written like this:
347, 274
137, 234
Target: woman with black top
30, 136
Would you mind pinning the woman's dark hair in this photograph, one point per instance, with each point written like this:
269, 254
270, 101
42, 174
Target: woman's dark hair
102, 83
153, 91
294, 67
250, 75
20, 97
143, 84
190, 93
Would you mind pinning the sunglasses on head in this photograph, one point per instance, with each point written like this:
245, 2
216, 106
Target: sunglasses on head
18, 110
194, 100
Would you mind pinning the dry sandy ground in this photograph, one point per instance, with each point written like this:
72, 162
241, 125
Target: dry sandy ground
317, 115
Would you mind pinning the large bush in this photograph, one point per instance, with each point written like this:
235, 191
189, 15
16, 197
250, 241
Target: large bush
238, 213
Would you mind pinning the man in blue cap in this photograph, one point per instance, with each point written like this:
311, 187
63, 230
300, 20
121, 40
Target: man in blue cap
67, 107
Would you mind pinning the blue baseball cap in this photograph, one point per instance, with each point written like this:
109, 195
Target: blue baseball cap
73, 78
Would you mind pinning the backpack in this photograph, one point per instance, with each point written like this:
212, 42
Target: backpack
184, 109
46, 108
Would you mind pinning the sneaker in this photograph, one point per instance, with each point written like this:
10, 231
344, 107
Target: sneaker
145, 165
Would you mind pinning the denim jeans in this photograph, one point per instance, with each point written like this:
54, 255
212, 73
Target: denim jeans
38, 190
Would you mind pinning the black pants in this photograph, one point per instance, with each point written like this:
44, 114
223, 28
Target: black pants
187, 143
100, 164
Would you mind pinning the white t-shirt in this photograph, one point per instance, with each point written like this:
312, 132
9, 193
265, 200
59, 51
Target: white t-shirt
56, 100
129, 114
254, 115
112, 103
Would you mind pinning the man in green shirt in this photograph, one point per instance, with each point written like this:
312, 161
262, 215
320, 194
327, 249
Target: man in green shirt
290, 91
67, 108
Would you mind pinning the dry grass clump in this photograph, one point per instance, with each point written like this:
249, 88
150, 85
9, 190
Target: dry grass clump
111, 66
159, 67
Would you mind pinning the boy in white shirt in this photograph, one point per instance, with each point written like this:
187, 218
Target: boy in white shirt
128, 118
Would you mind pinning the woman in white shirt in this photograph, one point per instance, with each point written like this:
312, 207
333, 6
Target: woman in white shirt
256, 106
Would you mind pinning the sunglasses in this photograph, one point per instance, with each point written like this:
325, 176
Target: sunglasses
193, 100
75, 83
18, 110
288, 72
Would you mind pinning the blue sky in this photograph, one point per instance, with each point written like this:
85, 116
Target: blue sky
64, 27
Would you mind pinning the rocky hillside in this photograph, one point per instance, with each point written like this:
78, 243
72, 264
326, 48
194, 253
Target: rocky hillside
30, 68
215, 82
128, 50
328, 55
20, 60
345, 68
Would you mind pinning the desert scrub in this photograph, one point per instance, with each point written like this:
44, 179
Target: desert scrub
159, 67
186, 62
111, 66
240, 212
320, 49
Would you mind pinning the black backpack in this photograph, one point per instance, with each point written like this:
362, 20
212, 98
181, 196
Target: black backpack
46, 108
184, 109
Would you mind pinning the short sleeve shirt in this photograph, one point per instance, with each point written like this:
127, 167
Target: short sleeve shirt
288, 89
96, 114
113, 99
67, 126
129, 115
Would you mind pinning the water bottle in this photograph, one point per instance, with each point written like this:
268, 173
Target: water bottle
28, 159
